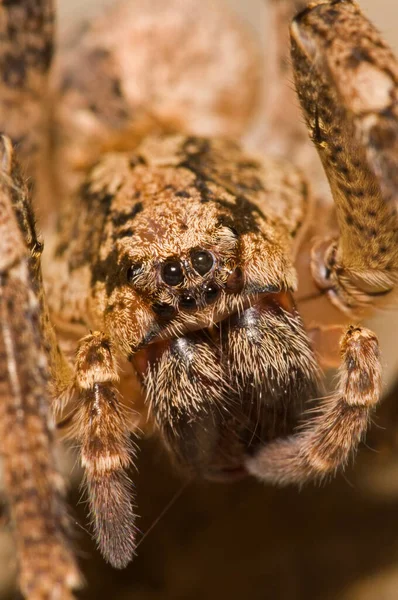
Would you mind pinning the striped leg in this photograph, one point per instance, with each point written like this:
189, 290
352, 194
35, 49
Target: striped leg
100, 423
327, 441
34, 487
347, 82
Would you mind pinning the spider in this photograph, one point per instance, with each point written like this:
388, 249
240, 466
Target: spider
169, 295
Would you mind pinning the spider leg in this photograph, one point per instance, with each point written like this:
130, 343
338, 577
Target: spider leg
347, 83
327, 441
26, 30
34, 486
100, 424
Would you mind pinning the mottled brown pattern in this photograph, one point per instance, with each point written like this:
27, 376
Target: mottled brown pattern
33, 484
329, 439
99, 421
109, 101
352, 127
175, 259
26, 31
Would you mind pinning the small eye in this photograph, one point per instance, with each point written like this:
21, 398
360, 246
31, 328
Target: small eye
202, 261
172, 272
235, 281
133, 272
211, 291
163, 310
188, 302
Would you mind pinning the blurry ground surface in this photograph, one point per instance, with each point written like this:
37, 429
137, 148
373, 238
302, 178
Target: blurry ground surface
338, 542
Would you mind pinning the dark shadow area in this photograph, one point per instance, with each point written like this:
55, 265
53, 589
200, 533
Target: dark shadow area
246, 540
250, 541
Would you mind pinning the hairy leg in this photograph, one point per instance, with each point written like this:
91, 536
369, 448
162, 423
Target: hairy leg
347, 82
327, 441
100, 423
34, 487
26, 30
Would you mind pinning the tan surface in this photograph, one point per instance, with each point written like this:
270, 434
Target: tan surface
383, 12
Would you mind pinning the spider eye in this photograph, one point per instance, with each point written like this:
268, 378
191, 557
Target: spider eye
133, 272
211, 291
188, 302
202, 261
172, 272
235, 281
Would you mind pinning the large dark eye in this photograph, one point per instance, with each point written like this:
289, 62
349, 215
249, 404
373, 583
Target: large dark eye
187, 302
172, 273
202, 261
133, 272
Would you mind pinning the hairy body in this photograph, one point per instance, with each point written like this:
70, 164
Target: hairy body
176, 257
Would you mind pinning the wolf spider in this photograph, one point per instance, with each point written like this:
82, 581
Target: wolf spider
178, 263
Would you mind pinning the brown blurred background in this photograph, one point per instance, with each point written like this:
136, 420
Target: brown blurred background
383, 12
245, 540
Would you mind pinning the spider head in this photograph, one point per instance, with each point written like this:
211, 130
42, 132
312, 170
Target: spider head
187, 267
197, 289
191, 286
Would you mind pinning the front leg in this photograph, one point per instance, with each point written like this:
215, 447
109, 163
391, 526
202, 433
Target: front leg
327, 441
100, 423
347, 83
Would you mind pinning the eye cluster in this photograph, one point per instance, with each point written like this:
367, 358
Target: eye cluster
173, 273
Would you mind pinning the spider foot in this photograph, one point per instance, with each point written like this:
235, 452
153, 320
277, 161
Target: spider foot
354, 292
100, 423
327, 440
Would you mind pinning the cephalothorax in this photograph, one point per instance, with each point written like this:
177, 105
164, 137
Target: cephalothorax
180, 262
